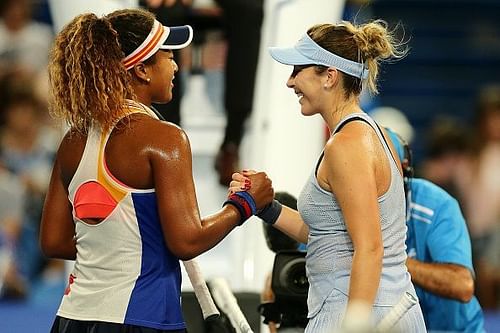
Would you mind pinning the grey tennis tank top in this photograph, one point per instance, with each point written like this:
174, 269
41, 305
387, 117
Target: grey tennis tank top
330, 249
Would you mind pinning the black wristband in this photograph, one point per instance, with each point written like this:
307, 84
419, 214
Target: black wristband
271, 212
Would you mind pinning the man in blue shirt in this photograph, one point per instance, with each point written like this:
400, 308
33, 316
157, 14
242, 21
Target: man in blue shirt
439, 254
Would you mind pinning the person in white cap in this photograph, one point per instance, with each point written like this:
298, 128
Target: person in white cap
122, 201
351, 211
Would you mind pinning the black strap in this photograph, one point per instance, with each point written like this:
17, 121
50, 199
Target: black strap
345, 123
319, 161
348, 121
158, 114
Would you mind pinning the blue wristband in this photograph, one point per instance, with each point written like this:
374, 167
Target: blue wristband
248, 197
271, 212
239, 207
244, 203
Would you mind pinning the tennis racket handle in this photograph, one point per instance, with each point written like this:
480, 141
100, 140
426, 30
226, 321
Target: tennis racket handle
228, 303
396, 313
201, 291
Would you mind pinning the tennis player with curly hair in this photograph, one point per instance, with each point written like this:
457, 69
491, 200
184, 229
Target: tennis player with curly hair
122, 200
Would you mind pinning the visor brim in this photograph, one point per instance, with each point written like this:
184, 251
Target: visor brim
289, 56
178, 37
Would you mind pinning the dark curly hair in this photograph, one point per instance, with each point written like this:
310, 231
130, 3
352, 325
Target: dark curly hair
89, 83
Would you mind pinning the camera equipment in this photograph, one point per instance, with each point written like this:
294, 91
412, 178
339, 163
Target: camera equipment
278, 241
289, 280
290, 286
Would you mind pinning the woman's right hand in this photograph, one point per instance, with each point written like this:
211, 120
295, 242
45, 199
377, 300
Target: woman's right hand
257, 184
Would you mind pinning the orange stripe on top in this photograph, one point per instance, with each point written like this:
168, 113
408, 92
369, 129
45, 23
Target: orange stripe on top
117, 193
104, 175
147, 48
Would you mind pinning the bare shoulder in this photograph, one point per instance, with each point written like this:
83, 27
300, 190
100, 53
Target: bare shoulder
72, 139
70, 153
161, 136
350, 158
169, 133
354, 142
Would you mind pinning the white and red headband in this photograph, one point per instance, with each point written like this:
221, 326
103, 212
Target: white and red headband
160, 37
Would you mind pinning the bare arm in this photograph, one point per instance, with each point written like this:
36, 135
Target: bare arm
163, 161
448, 270
57, 229
187, 235
290, 222
267, 296
349, 172
446, 280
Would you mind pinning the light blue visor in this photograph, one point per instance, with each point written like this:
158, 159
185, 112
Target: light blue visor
307, 52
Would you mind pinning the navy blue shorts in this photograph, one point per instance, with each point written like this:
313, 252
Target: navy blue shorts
64, 325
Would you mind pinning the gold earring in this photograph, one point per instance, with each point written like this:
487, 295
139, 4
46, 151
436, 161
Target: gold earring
148, 80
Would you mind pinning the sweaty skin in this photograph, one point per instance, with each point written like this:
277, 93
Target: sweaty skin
144, 153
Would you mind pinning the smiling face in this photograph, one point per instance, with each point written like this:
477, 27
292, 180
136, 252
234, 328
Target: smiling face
162, 73
307, 84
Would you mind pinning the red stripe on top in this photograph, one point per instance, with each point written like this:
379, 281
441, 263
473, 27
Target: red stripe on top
151, 45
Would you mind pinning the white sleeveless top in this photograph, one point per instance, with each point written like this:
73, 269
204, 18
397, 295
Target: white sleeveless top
124, 272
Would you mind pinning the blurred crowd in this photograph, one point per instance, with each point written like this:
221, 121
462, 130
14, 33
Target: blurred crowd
463, 158
28, 140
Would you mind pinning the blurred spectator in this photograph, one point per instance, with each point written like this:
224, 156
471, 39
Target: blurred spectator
241, 23
173, 13
395, 119
243, 33
11, 210
24, 43
25, 153
439, 252
447, 146
438, 243
206, 55
480, 188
